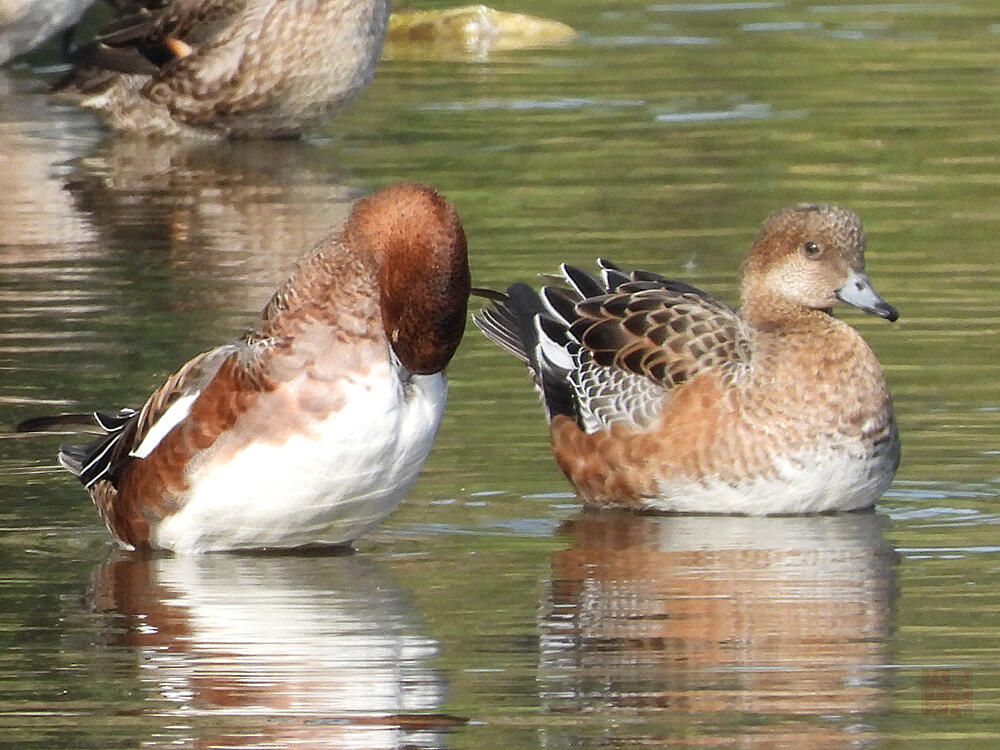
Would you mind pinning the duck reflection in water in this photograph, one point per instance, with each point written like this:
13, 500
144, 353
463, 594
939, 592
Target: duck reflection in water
222, 221
310, 651
683, 616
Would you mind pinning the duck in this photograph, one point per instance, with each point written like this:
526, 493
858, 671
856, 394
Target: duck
309, 429
661, 398
215, 68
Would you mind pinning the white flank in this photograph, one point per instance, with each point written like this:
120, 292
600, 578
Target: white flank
328, 483
829, 480
170, 419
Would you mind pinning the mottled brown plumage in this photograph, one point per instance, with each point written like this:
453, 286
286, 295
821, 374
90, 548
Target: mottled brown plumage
323, 343
667, 335
661, 397
236, 68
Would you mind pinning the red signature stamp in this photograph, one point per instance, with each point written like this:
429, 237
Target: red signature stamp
947, 691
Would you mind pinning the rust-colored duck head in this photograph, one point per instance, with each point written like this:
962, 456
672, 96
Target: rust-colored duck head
418, 242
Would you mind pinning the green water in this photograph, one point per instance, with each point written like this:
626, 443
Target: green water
660, 138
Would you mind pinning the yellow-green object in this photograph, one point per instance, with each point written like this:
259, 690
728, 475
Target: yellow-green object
475, 28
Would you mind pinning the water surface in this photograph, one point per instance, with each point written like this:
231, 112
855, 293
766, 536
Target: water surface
491, 610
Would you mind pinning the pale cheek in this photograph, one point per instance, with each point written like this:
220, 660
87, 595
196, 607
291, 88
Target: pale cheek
798, 281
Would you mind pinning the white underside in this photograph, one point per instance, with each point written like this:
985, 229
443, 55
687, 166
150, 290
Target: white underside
831, 480
328, 484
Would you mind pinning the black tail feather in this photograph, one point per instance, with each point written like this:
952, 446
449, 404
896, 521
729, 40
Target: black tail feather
62, 423
95, 422
561, 302
511, 324
525, 304
501, 326
91, 462
585, 284
72, 458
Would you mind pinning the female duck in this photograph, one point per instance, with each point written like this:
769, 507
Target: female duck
311, 428
661, 398
216, 68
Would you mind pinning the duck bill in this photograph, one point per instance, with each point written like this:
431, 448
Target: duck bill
858, 291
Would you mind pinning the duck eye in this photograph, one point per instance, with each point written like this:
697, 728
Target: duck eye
812, 250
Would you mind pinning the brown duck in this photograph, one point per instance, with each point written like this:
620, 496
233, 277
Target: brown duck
660, 397
227, 68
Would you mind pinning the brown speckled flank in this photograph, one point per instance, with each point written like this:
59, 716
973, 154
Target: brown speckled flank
217, 68
383, 296
660, 397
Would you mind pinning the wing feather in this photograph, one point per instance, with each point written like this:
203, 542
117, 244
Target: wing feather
632, 337
121, 433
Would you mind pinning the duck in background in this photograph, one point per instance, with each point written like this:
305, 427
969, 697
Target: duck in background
311, 428
661, 398
227, 68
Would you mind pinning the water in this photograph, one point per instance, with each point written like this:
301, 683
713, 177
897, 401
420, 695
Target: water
490, 610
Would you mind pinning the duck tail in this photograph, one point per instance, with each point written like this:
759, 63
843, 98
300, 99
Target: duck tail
521, 323
88, 462
95, 422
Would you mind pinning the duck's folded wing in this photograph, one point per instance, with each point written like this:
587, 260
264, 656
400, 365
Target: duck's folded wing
635, 336
666, 334
209, 74
129, 432
143, 21
142, 38
172, 401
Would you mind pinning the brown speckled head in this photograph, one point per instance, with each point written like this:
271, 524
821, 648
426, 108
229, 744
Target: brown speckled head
417, 239
804, 256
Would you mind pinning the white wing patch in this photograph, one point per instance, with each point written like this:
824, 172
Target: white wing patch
551, 351
170, 419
